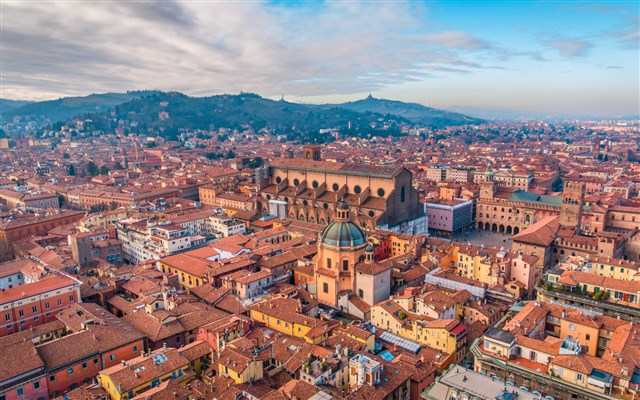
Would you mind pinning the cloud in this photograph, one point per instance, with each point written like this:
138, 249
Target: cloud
458, 40
628, 37
69, 48
569, 48
613, 67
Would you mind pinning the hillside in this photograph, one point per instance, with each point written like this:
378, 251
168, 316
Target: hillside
166, 113
68, 107
7, 105
414, 112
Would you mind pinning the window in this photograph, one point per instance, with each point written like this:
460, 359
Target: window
52, 378
325, 287
36, 385
345, 265
95, 361
402, 195
135, 348
70, 371
381, 192
329, 263
46, 305
296, 182
357, 189
360, 293
21, 313
84, 365
7, 317
59, 302
315, 184
112, 357
335, 187
34, 309
20, 391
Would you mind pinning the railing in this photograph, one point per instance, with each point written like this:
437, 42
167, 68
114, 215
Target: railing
537, 377
598, 304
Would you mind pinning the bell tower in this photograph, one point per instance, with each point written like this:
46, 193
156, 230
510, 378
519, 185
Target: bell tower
571, 209
312, 152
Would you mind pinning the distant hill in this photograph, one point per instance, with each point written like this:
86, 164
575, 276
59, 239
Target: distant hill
68, 107
414, 112
7, 105
166, 113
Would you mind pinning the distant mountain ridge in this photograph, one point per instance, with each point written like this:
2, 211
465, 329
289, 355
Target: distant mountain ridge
7, 105
412, 111
65, 108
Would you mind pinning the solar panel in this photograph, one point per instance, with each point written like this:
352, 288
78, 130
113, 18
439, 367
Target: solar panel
159, 358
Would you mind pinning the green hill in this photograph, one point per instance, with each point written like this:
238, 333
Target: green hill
166, 113
414, 112
7, 105
68, 107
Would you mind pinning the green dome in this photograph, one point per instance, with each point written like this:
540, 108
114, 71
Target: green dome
343, 233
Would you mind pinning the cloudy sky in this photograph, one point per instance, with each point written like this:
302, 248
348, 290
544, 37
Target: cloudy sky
579, 58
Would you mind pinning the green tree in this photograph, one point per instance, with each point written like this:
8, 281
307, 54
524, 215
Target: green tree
104, 170
71, 170
230, 154
117, 166
66, 156
92, 168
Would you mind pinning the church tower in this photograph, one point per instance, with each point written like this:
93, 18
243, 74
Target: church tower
311, 152
341, 245
571, 209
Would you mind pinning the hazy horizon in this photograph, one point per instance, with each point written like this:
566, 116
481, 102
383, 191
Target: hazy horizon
560, 58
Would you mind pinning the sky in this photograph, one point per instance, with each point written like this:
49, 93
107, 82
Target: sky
546, 57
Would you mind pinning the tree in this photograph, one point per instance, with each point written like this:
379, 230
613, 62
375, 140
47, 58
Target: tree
104, 170
230, 154
117, 166
92, 168
71, 170
66, 156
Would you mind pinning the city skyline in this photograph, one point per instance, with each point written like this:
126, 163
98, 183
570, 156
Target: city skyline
557, 58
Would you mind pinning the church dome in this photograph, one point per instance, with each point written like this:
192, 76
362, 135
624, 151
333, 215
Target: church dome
343, 233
